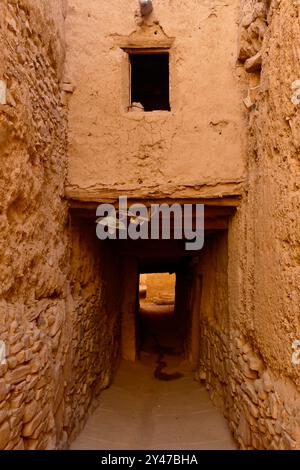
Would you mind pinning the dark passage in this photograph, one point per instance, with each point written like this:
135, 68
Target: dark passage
160, 333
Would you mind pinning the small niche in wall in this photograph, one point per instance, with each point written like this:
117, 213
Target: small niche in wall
150, 81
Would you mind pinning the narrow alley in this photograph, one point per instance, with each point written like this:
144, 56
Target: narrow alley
139, 412
149, 214
151, 407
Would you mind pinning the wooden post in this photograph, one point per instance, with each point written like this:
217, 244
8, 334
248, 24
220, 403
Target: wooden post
129, 309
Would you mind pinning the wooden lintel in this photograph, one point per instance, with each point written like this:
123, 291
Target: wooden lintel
226, 201
223, 193
210, 212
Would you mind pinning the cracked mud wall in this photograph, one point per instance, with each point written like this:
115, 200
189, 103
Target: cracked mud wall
40, 308
258, 384
198, 147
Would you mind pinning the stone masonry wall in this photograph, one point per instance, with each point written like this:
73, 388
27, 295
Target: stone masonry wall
33, 241
95, 286
49, 305
214, 317
248, 367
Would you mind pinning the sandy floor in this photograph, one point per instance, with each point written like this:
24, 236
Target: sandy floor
141, 412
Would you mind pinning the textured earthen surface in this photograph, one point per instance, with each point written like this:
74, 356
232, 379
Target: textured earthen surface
248, 359
33, 220
199, 144
65, 129
53, 297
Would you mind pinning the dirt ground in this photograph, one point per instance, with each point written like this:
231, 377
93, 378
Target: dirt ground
155, 403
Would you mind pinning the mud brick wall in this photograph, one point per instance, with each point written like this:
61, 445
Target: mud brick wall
246, 358
52, 368
33, 237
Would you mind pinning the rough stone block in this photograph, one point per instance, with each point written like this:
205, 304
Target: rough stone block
67, 87
3, 369
286, 442
4, 390
18, 375
268, 384
12, 362
4, 415
30, 411
255, 363
30, 427
249, 388
4, 435
253, 409
273, 406
17, 400
19, 445
243, 430
253, 64
246, 371
259, 387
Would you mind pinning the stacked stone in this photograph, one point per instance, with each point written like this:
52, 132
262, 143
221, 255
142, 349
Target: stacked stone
253, 25
61, 339
265, 414
26, 383
94, 346
33, 244
262, 409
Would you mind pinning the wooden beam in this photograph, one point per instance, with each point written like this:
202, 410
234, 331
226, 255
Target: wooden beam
230, 202
226, 193
210, 211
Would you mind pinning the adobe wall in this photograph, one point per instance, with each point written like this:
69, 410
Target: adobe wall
196, 149
54, 276
48, 307
33, 239
257, 384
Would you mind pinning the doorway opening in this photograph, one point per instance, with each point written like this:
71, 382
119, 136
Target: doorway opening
158, 289
160, 336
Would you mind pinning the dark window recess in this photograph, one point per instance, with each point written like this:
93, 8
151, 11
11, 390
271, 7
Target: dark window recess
150, 81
